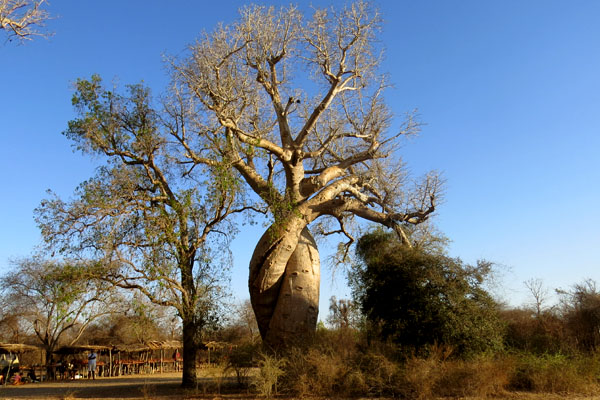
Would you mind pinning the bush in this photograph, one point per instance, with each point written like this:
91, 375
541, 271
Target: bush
316, 372
321, 371
556, 374
481, 377
417, 298
537, 334
241, 361
379, 373
439, 376
270, 369
417, 378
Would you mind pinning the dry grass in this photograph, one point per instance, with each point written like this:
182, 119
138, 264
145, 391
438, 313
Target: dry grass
70, 395
324, 373
148, 390
270, 370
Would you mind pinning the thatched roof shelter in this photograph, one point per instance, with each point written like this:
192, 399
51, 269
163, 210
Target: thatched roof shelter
150, 346
16, 348
165, 344
75, 349
217, 345
131, 348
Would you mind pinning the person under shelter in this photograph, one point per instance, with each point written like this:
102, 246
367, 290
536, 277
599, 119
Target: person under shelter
92, 364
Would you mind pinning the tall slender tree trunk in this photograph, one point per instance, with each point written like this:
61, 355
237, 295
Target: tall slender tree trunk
284, 284
191, 330
190, 351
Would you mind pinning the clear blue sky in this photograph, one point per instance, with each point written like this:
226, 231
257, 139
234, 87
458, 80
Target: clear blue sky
509, 90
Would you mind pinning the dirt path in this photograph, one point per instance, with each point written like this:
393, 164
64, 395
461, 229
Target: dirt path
123, 387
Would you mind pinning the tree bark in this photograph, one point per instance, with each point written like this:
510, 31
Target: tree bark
190, 351
284, 285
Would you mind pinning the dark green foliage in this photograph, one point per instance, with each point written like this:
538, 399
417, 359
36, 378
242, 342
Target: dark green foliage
581, 308
417, 297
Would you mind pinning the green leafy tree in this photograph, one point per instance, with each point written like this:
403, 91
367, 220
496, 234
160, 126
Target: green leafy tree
153, 222
57, 300
419, 297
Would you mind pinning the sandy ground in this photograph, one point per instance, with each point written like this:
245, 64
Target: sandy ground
166, 385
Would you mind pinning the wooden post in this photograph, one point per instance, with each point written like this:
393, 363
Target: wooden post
110, 366
161, 359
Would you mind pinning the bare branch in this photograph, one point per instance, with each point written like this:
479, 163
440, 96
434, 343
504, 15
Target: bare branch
21, 19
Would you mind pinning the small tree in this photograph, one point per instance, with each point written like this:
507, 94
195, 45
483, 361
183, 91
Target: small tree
244, 318
56, 299
419, 298
343, 313
12, 325
20, 19
539, 293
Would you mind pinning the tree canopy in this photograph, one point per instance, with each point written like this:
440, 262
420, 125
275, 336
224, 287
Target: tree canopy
296, 107
417, 297
147, 221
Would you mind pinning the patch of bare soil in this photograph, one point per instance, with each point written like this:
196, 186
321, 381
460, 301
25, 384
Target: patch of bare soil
155, 386
123, 387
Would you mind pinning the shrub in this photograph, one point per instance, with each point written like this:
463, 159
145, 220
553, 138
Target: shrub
481, 377
417, 378
241, 361
538, 334
270, 369
437, 375
379, 373
417, 297
316, 371
555, 374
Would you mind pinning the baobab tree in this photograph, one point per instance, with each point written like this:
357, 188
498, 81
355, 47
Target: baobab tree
287, 109
296, 107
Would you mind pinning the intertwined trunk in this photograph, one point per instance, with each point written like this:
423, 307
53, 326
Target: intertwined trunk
284, 284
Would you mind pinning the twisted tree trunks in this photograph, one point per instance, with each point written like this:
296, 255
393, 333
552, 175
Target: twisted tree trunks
284, 284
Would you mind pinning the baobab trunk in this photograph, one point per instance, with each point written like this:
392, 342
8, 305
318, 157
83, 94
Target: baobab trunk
284, 284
